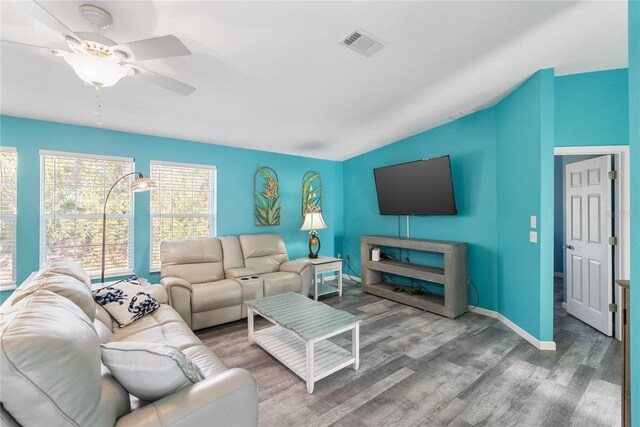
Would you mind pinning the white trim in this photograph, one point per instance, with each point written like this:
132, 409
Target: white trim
8, 287
8, 149
596, 149
84, 156
108, 274
622, 208
184, 165
564, 305
27, 280
557, 274
42, 224
180, 215
483, 311
214, 202
540, 345
547, 346
352, 278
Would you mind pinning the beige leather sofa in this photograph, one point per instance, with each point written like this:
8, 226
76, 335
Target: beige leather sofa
209, 280
51, 370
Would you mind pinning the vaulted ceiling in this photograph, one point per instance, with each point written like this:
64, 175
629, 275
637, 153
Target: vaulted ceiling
273, 75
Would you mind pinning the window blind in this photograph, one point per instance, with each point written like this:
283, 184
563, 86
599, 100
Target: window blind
73, 190
183, 205
8, 212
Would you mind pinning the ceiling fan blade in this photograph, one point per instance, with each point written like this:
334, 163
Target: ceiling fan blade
162, 81
56, 52
154, 48
47, 18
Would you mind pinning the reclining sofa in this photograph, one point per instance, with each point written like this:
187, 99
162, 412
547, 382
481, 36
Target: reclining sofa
209, 280
51, 369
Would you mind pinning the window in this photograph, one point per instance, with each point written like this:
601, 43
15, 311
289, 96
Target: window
183, 205
8, 210
72, 198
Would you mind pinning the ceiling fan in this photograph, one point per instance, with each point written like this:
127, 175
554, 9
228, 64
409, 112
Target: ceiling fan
100, 61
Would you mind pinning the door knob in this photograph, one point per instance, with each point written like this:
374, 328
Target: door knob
567, 247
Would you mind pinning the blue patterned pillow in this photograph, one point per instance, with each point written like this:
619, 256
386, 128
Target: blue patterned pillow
126, 301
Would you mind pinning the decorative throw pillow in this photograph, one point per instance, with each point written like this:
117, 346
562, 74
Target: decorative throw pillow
149, 371
126, 301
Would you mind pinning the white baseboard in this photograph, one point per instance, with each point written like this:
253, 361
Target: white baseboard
484, 312
354, 278
564, 305
547, 345
556, 274
540, 345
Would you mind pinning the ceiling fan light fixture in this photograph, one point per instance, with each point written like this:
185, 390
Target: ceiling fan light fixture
96, 70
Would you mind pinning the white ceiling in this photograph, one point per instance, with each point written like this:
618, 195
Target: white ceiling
273, 76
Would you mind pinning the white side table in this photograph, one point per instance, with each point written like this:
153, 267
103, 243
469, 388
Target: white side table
320, 266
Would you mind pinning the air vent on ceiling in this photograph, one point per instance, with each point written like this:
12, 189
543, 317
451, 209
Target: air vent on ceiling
362, 43
462, 113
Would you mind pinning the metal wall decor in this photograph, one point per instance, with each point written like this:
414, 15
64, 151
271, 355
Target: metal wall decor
266, 195
311, 193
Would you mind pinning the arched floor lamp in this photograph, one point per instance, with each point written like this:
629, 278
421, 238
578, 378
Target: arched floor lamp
139, 185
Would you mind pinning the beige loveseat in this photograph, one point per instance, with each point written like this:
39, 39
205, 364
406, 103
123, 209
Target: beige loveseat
209, 280
51, 371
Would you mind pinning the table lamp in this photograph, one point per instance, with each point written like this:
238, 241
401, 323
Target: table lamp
313, 221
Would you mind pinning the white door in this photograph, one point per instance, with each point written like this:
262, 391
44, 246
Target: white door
587, 231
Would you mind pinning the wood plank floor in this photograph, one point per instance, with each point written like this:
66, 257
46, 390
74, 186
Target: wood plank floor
418, 368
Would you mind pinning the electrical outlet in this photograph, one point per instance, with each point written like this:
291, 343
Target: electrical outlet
534, 221
533, 236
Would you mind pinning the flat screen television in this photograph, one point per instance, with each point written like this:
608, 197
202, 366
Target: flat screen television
423, 187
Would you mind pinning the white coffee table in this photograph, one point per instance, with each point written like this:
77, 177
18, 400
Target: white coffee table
299, 336
319, 267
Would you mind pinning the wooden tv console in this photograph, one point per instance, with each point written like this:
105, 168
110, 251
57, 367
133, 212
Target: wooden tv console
454, 275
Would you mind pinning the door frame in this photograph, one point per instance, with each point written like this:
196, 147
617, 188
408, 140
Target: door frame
622, 208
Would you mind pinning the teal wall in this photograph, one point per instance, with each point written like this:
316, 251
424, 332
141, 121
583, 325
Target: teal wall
545, 220
592, 109
235, 169
524, 142
471, 144
503, 172
634, 142
503, 169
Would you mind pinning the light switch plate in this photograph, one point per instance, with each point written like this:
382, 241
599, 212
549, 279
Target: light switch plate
534, 221
533, 236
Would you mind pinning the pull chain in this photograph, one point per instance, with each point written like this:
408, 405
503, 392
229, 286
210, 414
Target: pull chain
98, 112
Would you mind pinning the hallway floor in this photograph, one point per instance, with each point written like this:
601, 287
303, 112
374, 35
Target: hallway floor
597, 355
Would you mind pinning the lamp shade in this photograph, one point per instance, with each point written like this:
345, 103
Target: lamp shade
96, 70
143, 184
313, 221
